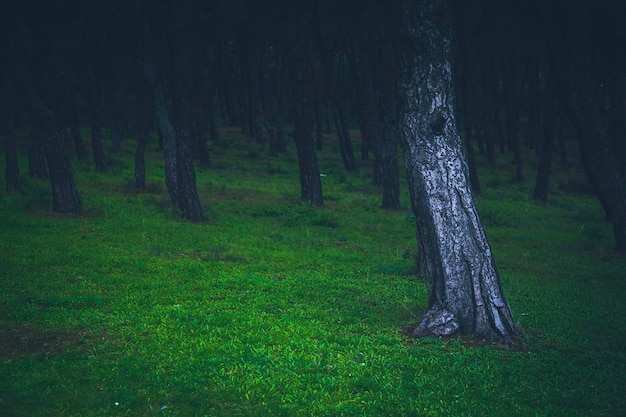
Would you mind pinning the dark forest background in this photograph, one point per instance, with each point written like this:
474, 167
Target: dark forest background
543, 77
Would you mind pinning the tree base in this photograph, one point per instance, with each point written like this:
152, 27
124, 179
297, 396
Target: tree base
438, 322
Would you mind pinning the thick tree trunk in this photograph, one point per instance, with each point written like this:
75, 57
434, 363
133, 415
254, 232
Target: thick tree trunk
465, 296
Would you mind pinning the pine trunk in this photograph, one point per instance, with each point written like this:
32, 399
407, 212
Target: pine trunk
65, 197
465, 295
12, 169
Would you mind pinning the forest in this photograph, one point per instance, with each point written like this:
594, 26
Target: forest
211, 208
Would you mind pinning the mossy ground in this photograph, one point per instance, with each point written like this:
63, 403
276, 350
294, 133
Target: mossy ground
275, 308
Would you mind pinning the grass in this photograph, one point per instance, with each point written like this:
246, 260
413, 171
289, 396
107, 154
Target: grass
275, 308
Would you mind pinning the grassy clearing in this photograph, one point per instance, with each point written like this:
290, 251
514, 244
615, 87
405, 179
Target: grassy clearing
275, 308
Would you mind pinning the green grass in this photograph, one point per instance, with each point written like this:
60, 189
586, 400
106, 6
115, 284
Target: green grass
275, 308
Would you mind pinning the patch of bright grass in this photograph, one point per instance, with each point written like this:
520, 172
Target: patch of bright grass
273, 307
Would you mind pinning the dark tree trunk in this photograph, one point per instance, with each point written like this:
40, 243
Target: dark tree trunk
116, 138
465, 296
97, 148
7, 126
512, 93
602, 170
389, 132
343, 134
166, 129
463, 84
270, 88
545, 148
49, 131
390, 172
65, 197
310, 183
12, 169
579, 84
179, 170
366, 99
187, 194
36, 158
336, 103
302, 106
79, 143
488, 112
140, 163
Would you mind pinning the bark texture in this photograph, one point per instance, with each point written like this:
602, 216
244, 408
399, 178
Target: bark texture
465, 295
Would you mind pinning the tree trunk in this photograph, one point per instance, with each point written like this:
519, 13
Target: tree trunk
12, 169
463, 83
79, 143
140, 162
302, 104
603, 173
65, 197
579, 84
167, 131
310, 183
465, 295
390, 172
545, 146
388, 137
97, 148
7, 126
36, 158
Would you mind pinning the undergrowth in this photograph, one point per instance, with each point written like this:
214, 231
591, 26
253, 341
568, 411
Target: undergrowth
275, 308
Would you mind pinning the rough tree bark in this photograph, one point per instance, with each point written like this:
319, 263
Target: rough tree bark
465, 295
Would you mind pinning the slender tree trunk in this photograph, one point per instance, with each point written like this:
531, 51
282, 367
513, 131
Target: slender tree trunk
511, 114
336, 103
545, 148
389, 132
12, 169
463, 80
167, 131
97, 148
602, 169
79, 143
36, 158
140, 163
391, 175
302, 106
465, 295
310, 183
7, 126
578, 83
65, 197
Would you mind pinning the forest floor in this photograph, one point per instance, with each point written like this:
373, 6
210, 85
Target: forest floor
275, 308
